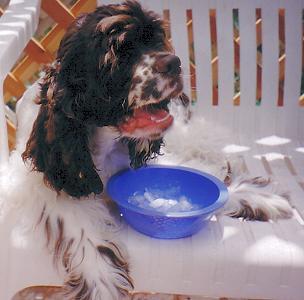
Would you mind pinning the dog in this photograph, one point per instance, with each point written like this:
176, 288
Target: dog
105, 104
102, 106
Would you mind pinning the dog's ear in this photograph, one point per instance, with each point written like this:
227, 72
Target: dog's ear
58, 144
58, 147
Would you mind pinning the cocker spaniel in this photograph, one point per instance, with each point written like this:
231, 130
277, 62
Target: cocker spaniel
103, 106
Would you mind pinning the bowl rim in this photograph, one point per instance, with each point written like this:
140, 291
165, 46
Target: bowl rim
222, 198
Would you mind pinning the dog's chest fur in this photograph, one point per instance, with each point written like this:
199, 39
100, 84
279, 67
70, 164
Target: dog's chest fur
109, 154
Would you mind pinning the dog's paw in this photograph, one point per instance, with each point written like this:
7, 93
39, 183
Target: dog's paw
101, 273
81, 237
257, 199
246, 211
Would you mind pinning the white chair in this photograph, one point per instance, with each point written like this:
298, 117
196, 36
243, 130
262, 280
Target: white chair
230, 257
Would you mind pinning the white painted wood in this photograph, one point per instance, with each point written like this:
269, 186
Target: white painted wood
284, 278
17, 26
24, 261
267, 123
287, 125
156, 5
228, 258
4, 151
274, 156
247, 116
300, 120
226, 63
202, 50
106, 2
296, 152
180, 37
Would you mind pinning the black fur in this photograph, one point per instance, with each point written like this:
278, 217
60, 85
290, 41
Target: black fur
87, 86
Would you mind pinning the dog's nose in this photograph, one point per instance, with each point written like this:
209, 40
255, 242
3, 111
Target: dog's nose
167, 63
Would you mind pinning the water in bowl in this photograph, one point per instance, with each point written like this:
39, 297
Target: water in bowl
162, 200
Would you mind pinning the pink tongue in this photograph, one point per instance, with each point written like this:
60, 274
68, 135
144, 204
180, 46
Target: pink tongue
155, 116
143, 119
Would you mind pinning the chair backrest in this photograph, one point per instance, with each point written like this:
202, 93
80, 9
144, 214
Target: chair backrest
244, 61
17, 26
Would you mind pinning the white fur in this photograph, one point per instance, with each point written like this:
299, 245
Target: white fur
268, 199
199, 144
194, 143
25, 196
108, 155
23, 193
27, 112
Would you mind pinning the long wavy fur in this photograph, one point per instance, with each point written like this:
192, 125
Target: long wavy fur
87, 87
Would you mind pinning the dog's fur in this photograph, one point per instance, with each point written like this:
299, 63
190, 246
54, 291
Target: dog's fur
103, 71
105, 75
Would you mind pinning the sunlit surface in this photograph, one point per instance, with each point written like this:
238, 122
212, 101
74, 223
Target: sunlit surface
300, 149
273, 140
8, 32
229, 232
235, 148
13, 24
269, 251
18, 1
270, 156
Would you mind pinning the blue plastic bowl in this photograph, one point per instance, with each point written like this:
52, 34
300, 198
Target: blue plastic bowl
207, 194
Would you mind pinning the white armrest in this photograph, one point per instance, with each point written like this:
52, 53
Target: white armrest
17, 25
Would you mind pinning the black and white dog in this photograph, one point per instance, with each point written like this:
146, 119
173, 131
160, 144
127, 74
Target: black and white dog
103, 106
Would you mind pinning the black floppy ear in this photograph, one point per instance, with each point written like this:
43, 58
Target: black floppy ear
59, 142
58, 147
65, 159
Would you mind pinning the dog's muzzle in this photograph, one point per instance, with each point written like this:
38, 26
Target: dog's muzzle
158, 80
147, 122
167, 63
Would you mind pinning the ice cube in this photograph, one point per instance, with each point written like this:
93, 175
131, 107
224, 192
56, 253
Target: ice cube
148, 196
184, 203
158, 202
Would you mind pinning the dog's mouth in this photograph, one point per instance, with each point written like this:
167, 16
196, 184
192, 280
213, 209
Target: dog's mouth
147, 121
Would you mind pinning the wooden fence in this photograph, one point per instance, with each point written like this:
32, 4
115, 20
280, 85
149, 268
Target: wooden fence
39, 52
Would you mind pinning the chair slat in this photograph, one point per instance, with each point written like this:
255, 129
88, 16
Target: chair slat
247, 112
280, 172
226, 63
270, 52
106, 2
202, 49
155, 5
180, 37
17, 26
287, 125
58, 12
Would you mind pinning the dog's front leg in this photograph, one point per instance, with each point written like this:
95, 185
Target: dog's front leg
79, 234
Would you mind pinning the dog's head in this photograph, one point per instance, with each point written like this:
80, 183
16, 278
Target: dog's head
115, 68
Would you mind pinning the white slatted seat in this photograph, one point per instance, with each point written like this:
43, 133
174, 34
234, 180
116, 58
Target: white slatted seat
230, 257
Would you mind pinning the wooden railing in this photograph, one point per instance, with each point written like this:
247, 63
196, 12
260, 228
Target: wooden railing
39, 52
17, 26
